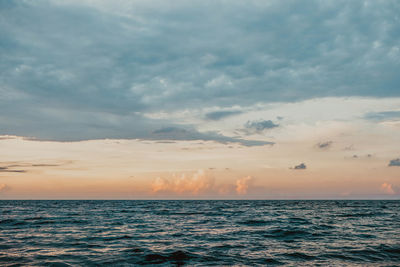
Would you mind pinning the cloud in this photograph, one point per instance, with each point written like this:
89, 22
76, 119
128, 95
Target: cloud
324, 145
7, 169
394, 162
260, 126
382, 116
195, 184
243, 184
388, 189
3, 188
199, 183
218, 115
257, 127
6, 137
78, 70
23, 167
176, 133
301, 166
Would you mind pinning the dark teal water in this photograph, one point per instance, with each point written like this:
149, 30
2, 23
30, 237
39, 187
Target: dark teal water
123, 233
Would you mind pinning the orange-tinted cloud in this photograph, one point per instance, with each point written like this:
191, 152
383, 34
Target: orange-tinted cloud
388, 189
242, 185
3, 187
199, 182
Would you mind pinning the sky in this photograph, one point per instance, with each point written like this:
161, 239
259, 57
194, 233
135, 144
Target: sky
202, 99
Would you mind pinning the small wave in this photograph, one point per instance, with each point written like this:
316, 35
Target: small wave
298, 220
268, 261
299, 256
176, 257
255, 222
12, 222
378, 253
54, 264
366, 214
287, 234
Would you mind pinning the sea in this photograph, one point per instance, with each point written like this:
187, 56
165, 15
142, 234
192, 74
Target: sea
199, 233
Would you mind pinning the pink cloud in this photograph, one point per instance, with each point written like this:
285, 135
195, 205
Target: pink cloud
388, 189
3, 187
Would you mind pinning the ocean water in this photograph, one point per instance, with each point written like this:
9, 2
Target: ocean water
200, 233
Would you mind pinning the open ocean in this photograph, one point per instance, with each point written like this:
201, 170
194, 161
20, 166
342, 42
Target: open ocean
201, 233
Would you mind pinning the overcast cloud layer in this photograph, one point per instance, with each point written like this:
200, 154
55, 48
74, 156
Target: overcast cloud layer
84, 70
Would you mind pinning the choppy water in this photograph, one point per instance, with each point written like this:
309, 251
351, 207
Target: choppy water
294, 233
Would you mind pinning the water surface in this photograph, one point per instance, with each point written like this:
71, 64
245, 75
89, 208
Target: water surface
202, 233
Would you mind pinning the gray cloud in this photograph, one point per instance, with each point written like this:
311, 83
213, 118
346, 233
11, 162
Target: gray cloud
217, 115
394, 162
74, 70
175, 133
324, 145
261, 125
384, 115
301, 166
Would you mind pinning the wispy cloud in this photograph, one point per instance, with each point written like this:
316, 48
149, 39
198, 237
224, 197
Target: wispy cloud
221, 114
23, 166
10, 169
383, 115
175, 133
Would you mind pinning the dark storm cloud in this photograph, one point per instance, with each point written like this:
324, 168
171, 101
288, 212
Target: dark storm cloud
217, 115
394, 162
301, 166
324, 145
79, 70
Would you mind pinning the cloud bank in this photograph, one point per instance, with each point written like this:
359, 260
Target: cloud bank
77, 70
